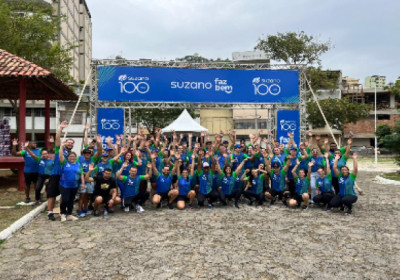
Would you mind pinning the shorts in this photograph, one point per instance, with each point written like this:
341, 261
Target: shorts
31, 178
89, 188
292, 186
164, 196
275, 193
182, 198
153, 179
297, 197
106, 198
52, 188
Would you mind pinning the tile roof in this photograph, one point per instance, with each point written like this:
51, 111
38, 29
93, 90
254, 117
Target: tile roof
39, 81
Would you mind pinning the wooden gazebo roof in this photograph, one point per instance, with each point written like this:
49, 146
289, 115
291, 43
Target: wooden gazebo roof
39, 81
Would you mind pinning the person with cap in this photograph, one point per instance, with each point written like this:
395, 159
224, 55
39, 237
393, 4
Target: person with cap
105, 190
228, 190
85, 160
164, 189
157, 157
205, 178
31, 167
254, 190
186, 193
45, 166
324, 192
108, 163
347, 195
302, 186
319, 162
132, 193
128, 158
278, 183
237, 156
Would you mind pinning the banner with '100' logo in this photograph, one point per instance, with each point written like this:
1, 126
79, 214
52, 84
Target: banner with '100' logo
288, 121
110, 122
152, 84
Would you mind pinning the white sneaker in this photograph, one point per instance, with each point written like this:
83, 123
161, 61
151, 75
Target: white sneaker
139, 209
63, 218
126, 209
71, 218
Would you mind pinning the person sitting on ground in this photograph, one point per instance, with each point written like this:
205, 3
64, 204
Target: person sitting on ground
164, 189
347, 195
186, 193
324, 186
254, 190
205, 179
132, 194
302, 186
278, 184
105, 190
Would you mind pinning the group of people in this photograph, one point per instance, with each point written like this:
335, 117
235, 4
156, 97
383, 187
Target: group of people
184, 168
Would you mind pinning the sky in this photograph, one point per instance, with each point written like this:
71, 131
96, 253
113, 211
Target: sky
365, 34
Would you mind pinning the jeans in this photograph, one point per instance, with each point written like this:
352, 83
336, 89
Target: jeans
67, 200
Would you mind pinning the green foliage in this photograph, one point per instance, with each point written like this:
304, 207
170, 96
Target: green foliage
152, 119
196, 58
394, 88
338, 113
392, 142
293, 48
322, 79
30, 30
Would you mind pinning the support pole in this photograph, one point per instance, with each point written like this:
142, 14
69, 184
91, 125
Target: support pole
47, 121
22, 128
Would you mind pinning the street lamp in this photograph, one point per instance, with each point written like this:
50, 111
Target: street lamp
376, 141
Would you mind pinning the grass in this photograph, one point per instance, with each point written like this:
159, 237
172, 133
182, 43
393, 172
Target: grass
391, 176
8, 198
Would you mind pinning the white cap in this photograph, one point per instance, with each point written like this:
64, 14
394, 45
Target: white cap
205, 164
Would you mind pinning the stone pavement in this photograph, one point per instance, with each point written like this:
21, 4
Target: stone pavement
268, 242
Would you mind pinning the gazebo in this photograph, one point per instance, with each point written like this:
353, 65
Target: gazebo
23, 80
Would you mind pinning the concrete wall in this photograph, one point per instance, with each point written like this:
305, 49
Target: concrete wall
216, 120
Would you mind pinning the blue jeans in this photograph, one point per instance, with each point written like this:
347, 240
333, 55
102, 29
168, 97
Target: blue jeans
67, 200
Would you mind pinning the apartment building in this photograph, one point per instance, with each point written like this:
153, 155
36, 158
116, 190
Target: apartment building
371, 81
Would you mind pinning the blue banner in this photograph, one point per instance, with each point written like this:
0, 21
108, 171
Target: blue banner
149, 84
288, 121
110, 122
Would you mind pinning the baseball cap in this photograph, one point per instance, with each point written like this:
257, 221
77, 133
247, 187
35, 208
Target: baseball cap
225, 142
275, 165
205, 164
104, 155
238, 146
109, 149
86, 151
155, 151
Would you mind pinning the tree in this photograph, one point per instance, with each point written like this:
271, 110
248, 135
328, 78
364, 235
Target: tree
392, 141
338, 113
381, 131
156, 118
195, 58
394, 88
293, 48
322, 79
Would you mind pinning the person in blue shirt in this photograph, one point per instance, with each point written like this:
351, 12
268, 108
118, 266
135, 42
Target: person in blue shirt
45, 166
254, 190
302, 186
205, 179
132, 193
319, 162
71, 178
277, 174
31, 167
347, 195
186, 193
324, 186
164, 189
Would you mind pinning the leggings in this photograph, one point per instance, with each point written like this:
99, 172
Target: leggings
346, 200
324, 198
258, 197
236, 193
139, 199
39, 185
335, 184
67, 200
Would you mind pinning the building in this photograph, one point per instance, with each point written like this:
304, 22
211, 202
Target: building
371, 81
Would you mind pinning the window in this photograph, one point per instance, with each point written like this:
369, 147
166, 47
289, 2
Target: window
383, 117
9, 112
250, 124
78, 118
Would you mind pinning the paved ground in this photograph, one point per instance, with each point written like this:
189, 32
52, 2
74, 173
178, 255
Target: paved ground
223, 243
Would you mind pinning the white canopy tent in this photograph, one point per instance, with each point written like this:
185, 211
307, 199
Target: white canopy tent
184, 123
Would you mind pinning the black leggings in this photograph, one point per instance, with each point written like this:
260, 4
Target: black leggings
39, 185
335, 184
67, 200
347, 201
258, 197
211, 197
236, 193
324, 198
140, 199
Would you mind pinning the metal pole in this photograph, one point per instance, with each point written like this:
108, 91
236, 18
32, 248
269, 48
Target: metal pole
376, 141
255, 117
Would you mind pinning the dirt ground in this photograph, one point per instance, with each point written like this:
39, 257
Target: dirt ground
268, 242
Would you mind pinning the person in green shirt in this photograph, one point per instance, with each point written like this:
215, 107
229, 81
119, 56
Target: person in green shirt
302, 186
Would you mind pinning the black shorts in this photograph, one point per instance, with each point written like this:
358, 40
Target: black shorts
31, 178
275, 193
292, 186
182, 198
297, 197
52, 188
106, 198
164, 196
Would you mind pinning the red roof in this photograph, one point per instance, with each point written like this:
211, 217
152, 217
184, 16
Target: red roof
39, 81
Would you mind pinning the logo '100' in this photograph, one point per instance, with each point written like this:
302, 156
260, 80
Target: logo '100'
263, 89
131, 87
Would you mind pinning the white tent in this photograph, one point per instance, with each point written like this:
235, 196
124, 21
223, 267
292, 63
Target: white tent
184, 123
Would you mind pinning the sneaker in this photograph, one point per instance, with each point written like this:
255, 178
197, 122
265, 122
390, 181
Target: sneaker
328, 208
139, 209
250, 202
348, 211
27, 200
210, 206
51, 217
237, 205
90, 207
63, 218
105, 214
110, 210
190, 206
81, 214
126, 209
71, 218
272, 201
284, 202
87, 212
304, 207
36, 203
159, 205
341, 208
96, 213
170, 206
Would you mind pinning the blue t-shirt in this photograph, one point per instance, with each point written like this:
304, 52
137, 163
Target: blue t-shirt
228, 183
257, 184
184, 185
163, 183
57, 165
31, 165
319, 162
70, 174
346, 185
324, 184
302, 185
131, 185
45, 166
278, 181
205, 181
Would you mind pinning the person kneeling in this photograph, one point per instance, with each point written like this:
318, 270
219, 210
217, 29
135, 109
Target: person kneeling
302, 186
105, 191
